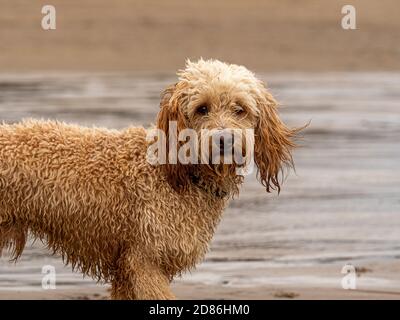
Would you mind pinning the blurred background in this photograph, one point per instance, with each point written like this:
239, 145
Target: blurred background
106, 64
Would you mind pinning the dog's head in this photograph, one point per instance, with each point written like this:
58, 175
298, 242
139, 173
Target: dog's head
217, 96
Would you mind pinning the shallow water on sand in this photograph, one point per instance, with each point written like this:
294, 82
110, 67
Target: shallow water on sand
341, 206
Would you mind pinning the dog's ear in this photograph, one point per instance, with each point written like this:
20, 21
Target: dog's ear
170, 110
273, 142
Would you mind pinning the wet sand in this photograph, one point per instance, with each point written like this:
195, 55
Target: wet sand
341, 206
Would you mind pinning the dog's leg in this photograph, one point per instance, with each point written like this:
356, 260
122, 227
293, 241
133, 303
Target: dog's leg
138, 279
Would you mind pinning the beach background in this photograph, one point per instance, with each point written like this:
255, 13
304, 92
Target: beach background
106, 65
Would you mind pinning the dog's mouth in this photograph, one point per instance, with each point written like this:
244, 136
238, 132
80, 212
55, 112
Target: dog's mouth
230, 153
223, 147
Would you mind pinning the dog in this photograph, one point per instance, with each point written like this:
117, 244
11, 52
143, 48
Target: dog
91, 195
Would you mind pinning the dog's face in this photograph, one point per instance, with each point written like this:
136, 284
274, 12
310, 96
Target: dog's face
219, 97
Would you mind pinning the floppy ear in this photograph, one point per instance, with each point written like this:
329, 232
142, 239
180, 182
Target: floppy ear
273, 143
170, 110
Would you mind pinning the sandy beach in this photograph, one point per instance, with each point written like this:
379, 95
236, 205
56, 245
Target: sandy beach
340, 207
154, 35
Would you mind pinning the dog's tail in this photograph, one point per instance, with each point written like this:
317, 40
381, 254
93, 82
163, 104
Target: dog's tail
13, 239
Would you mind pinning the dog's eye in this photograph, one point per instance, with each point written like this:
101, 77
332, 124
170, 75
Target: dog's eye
203, 109
239, 110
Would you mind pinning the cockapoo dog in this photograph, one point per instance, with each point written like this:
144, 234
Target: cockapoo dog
92, 196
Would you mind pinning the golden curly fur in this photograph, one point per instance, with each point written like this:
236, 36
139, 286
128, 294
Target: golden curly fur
92, 197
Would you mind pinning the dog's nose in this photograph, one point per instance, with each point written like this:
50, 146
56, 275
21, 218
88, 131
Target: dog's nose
226, 142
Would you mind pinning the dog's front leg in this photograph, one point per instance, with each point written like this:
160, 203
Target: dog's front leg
138, 279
